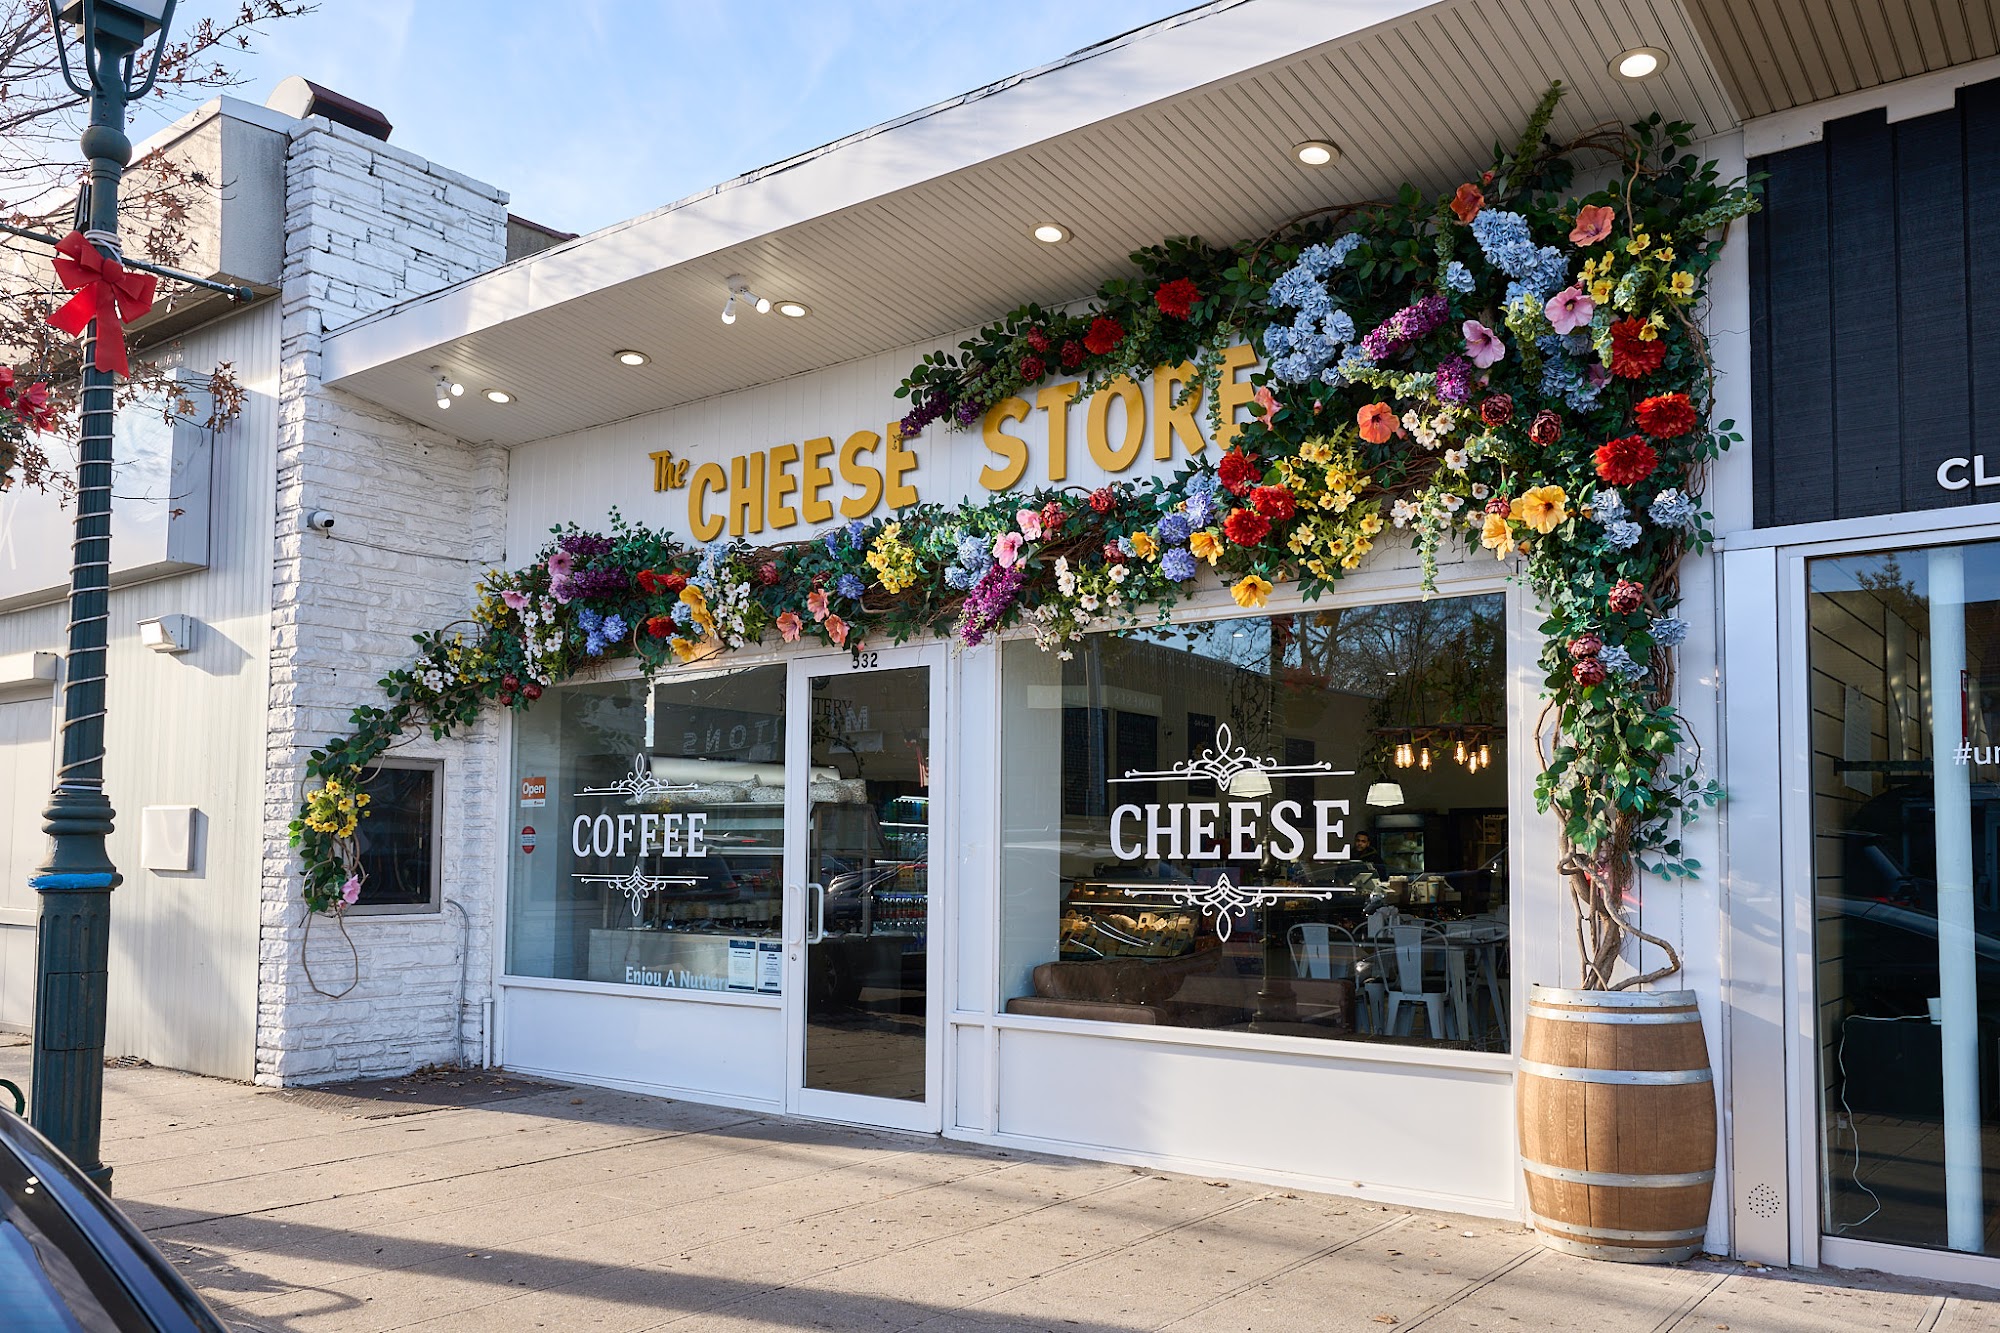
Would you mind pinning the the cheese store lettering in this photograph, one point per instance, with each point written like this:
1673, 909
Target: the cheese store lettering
816, 481
612, 835
1200, 831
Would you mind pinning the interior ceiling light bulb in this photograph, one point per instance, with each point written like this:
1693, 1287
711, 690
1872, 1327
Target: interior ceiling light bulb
729, 311
763, 305
1048, 233
1641, 62
1316, 152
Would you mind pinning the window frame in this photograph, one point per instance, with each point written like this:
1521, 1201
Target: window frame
434, 902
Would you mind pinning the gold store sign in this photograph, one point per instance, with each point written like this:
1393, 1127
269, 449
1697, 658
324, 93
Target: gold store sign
779, 487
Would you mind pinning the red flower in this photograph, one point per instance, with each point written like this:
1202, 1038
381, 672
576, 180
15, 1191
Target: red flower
648, 582
532, 690
1104, 336
1666, 415
1072, 354
1274, 502
1626, 460
1631, 355
1500, 505
1032, 369
1467, 202
1112, 555
672, 583
1589, 671
1546, 429
34, 403
1239, 472
1246, 527
1497, 410
1626, 597
1052, 518
6, 386
1101, 499
767, 573
657, 626
1038, 340
1585, 645
1176, 299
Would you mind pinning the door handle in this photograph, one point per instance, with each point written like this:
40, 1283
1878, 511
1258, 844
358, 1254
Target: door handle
818, 892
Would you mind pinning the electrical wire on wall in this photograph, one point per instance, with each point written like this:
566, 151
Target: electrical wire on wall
1847, 1112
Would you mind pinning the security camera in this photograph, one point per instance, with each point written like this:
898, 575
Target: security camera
320, 520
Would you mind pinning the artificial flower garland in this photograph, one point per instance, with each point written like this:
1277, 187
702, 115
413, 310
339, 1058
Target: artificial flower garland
1510, 366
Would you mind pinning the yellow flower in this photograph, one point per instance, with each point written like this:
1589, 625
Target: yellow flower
1497, 537
1541, 508
1681, 284
1251, 591
1206, 546
1664, 255
1600, 291
1352, 560
1637, 245
1316, 451
1143, 543
1301, 538
1371, 523
1649, 332
683, 649
1317, 568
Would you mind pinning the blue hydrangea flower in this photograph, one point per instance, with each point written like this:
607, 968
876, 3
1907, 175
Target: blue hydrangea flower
1296, 288
1339, 326
594, 645
1178, 564
1619, 663
855, 528
1503, 239
1623, 533
1277, 340
1175, 529
1607, 506
1201, 509
1126, 548
958, 577
1670, 631
1203, 483
849, 587
971, 550
1671, 509
613, 628
833, 542
682, 613
1457, 277
588, 620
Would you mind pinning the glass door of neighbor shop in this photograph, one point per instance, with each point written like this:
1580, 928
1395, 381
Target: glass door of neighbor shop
864, 814
1903, 654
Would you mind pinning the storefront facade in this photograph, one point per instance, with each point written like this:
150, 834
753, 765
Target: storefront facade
1108, 903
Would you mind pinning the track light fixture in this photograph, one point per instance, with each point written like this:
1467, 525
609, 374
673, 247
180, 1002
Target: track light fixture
739, 291
447, 388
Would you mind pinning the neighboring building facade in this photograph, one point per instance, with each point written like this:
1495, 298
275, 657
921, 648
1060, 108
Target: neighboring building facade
906, 908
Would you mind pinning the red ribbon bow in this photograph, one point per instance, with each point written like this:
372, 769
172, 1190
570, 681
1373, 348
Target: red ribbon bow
105, 292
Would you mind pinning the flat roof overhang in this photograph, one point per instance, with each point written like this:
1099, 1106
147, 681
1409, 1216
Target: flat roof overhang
920, 227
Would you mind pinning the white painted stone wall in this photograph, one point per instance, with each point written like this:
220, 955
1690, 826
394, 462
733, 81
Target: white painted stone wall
420, 516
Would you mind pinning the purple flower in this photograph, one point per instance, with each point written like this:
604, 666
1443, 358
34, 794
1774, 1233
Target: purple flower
585, 544
1482, 344
599, 582
1404, 327
1454, 379
968, 412
1178, 564
987, 605
849, 587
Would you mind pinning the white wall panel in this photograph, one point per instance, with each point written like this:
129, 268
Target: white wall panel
731, 1054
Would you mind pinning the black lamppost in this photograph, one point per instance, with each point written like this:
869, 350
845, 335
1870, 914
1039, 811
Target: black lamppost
73, 942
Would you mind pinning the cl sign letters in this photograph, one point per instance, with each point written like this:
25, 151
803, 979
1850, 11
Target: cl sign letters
1952, 474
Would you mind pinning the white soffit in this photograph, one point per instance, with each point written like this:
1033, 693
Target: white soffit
919, 228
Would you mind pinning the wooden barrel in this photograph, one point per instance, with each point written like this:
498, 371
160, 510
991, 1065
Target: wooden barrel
1617, 1115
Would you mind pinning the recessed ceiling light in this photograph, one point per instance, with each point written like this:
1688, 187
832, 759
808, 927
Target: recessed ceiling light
500, 396
1048, 233
1316, 152
1641, 62
794, 309
628, 357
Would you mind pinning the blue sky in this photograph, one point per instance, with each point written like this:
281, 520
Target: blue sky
590, 111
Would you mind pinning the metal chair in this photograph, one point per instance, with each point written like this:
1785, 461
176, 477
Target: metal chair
1322, 952
1424, 958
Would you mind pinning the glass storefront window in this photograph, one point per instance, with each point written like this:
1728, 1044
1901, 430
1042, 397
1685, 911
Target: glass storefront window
1294, 825
652, 833
1903, 652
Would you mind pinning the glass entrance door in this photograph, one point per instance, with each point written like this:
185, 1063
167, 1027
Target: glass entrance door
862, 973
1903, 648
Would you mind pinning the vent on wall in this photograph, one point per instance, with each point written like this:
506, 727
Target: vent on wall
299, 98
1764, 1201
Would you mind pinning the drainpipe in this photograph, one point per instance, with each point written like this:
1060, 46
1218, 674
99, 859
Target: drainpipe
1958, 976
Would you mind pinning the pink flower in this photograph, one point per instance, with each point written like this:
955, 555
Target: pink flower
516, 601
836, 629
1593, 224
789, 625
1030, 523
1267, 405
560, 565
1482, 344
351, 890
1007, 550
816, 603
1569, 310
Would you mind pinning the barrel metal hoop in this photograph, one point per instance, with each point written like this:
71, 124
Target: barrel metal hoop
1620, 1254
1639, 1016
1612, 999
1656, 1181
1645, 1077
1614, 1233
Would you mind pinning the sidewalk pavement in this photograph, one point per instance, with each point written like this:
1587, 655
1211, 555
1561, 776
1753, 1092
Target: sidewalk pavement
479, 1203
